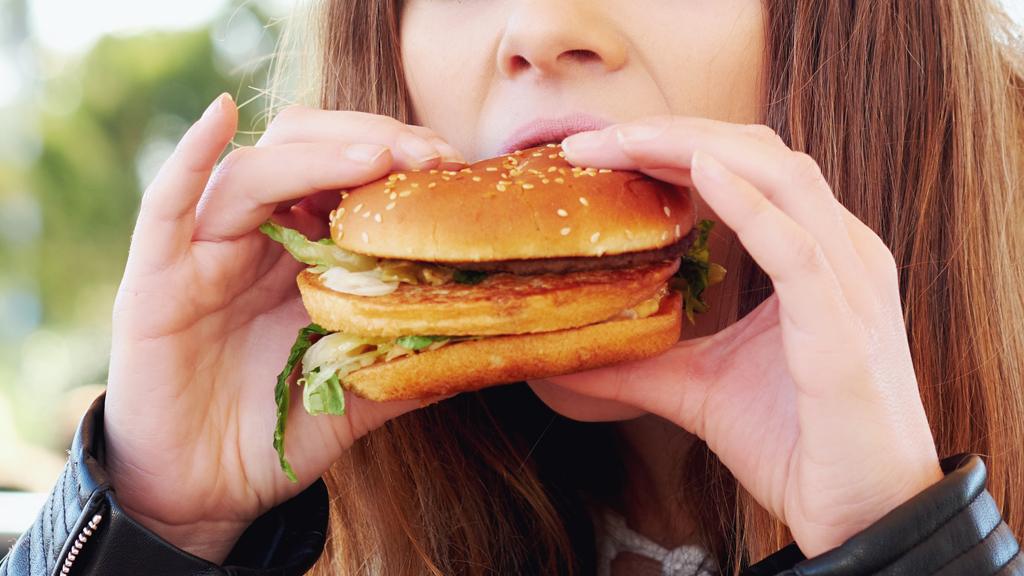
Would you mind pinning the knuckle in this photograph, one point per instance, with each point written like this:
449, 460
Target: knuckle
807, 254
289, 114
806, 172
764, 133
228, 166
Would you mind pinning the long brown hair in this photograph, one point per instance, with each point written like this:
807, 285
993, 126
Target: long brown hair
915, 111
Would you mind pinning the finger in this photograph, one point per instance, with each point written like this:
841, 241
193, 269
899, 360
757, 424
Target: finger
251, 181
678, 384
163, 229
809, 292
412, 146
792, 181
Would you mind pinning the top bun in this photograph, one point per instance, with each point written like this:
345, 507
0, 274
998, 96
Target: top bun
529, 204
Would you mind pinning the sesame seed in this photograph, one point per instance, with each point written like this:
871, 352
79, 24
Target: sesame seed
393, 195
415, 184
340, 227
552, 145
432, 185
492, 168
402, 176
678, 232
552, 168
433, 171
561, 212
565, 231
344, 195
560, 180
544, 181
584, 201
389, 206
501, 187
664, 236
332, 215
406, 193
561, 154
667, 211
552, 156
527, 186
340, 232
537, 154
366, 214
377, 217
477, 178
357, 208
445, 178
366, 238
594, 237
341, 211
415, 170
467, 170
604, 170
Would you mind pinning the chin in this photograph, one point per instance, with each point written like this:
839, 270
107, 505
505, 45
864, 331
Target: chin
580, 407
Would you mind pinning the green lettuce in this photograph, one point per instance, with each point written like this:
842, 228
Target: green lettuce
418, 342
323, 253
698, 272
282, 393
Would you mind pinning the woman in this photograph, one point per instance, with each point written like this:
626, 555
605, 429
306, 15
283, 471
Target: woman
868, 326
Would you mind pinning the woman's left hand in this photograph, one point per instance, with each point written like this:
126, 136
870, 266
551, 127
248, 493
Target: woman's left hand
810, 400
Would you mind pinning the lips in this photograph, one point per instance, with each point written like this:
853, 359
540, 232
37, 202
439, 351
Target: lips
544, 130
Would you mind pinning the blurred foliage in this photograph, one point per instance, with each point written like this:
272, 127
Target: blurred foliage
93, 131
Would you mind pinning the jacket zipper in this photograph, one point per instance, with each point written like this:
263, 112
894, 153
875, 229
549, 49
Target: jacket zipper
80, 541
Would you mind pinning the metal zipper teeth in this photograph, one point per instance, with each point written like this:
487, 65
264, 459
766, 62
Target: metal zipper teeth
80, 541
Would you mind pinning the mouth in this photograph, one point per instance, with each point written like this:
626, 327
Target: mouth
550, 130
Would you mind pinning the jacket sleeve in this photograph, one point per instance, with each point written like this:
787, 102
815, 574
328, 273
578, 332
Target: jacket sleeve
82, 531
952, 528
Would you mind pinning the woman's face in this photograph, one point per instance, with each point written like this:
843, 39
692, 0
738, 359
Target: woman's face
480, 70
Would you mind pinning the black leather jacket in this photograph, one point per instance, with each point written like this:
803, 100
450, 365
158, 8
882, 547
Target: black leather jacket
953, 528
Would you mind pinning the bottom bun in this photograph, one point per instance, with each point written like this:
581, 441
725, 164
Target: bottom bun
475, 364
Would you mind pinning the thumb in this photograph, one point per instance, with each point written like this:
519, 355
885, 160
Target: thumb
672, 385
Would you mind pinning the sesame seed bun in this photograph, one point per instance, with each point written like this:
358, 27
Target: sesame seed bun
530, 204
501, 304
475, 364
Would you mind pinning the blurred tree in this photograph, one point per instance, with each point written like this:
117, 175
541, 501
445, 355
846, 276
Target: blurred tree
98, 126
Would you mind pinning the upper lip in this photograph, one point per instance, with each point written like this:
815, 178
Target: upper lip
553, 129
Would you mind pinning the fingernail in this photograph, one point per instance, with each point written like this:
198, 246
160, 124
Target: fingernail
364, 153
637, 133
216, 106
706, 166
582, 141
417, 148
448, 152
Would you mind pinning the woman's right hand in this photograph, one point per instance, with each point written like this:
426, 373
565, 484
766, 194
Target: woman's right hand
208, 309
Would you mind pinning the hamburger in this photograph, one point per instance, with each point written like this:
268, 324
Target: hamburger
517, 267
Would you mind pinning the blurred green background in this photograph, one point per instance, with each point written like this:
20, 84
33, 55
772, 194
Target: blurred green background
93, 98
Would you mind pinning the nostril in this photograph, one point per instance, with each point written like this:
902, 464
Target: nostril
519, 63
579, 55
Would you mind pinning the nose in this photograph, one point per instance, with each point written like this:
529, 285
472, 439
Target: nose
550, 38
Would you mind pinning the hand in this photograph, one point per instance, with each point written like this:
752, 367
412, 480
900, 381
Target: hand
208, 309
811, 400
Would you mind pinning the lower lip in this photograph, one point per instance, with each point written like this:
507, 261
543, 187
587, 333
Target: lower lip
555, 131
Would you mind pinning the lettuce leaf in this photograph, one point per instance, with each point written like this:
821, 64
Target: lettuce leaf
323, 252
418, 342
698, 272
282, 395
324, 396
